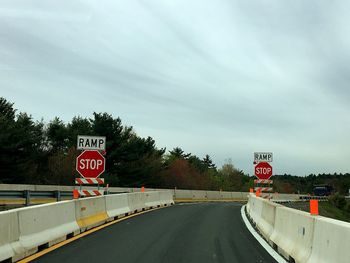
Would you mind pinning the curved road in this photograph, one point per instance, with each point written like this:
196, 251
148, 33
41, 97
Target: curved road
189, 233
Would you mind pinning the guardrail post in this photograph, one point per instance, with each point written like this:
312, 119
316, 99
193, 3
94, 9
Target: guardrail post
27, 197
58, 195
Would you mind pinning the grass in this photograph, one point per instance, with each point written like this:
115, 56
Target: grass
326, 209
329, 210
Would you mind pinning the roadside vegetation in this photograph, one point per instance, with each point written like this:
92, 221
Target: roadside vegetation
36, 152
336, 207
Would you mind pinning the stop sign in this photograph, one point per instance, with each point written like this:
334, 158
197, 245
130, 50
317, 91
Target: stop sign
263, 171
90, 164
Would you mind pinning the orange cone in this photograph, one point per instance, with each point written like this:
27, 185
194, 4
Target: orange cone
314, 207
75, 194
257, 193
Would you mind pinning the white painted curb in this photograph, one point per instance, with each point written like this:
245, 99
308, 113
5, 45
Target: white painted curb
262, 241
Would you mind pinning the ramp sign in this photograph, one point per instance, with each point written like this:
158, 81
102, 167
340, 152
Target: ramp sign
262, 157
91, 143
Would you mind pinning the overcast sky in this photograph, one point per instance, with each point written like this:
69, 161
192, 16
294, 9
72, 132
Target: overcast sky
219, 77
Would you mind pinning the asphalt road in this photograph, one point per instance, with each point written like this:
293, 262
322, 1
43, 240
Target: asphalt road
189, 233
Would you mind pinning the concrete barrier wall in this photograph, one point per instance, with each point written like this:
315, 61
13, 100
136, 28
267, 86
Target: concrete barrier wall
183, 194
53, 222
239, 195
179, 194
331, 242
117, 205
9, 233
198, 194
152, 199
293, 233
137, 201
256, 205
90, 212
23, 231
166, 197
267, 221
227, 195
298, 235
213, 195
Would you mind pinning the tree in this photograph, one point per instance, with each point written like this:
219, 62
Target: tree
231, 178
179, 153
61, 166
208, 162
57, 135
21, 142
139, 162
7, 112
197, 163
176, 154
78, 126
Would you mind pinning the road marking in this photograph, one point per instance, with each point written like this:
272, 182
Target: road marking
262, 241
54, 247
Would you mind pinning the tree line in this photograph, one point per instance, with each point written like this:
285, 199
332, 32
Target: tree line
35, 152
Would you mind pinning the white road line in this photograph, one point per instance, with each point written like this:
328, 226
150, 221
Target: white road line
262, 241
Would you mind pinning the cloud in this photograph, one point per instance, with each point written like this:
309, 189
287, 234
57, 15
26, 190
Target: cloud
221, 77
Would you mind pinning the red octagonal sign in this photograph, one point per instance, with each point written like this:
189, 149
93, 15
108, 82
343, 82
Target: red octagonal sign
263, 171
90, 164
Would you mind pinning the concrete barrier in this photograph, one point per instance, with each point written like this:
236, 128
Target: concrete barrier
90, 212
136, 201
166, 197
183, 194
226, 195
152, 199
179, 195
24, 231
198, 194
9, 233
239, 196
266, 223
256, 206
117, 205
46, 225
17, 187
213, 195
331, 241
299, 236
293, 233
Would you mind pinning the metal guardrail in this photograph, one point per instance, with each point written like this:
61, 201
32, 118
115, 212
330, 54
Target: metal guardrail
302, 198
307, 197
29, 195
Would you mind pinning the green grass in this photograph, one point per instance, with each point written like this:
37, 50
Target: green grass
326, 209
329, 210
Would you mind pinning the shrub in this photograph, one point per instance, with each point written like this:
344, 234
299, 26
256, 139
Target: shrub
338, 200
